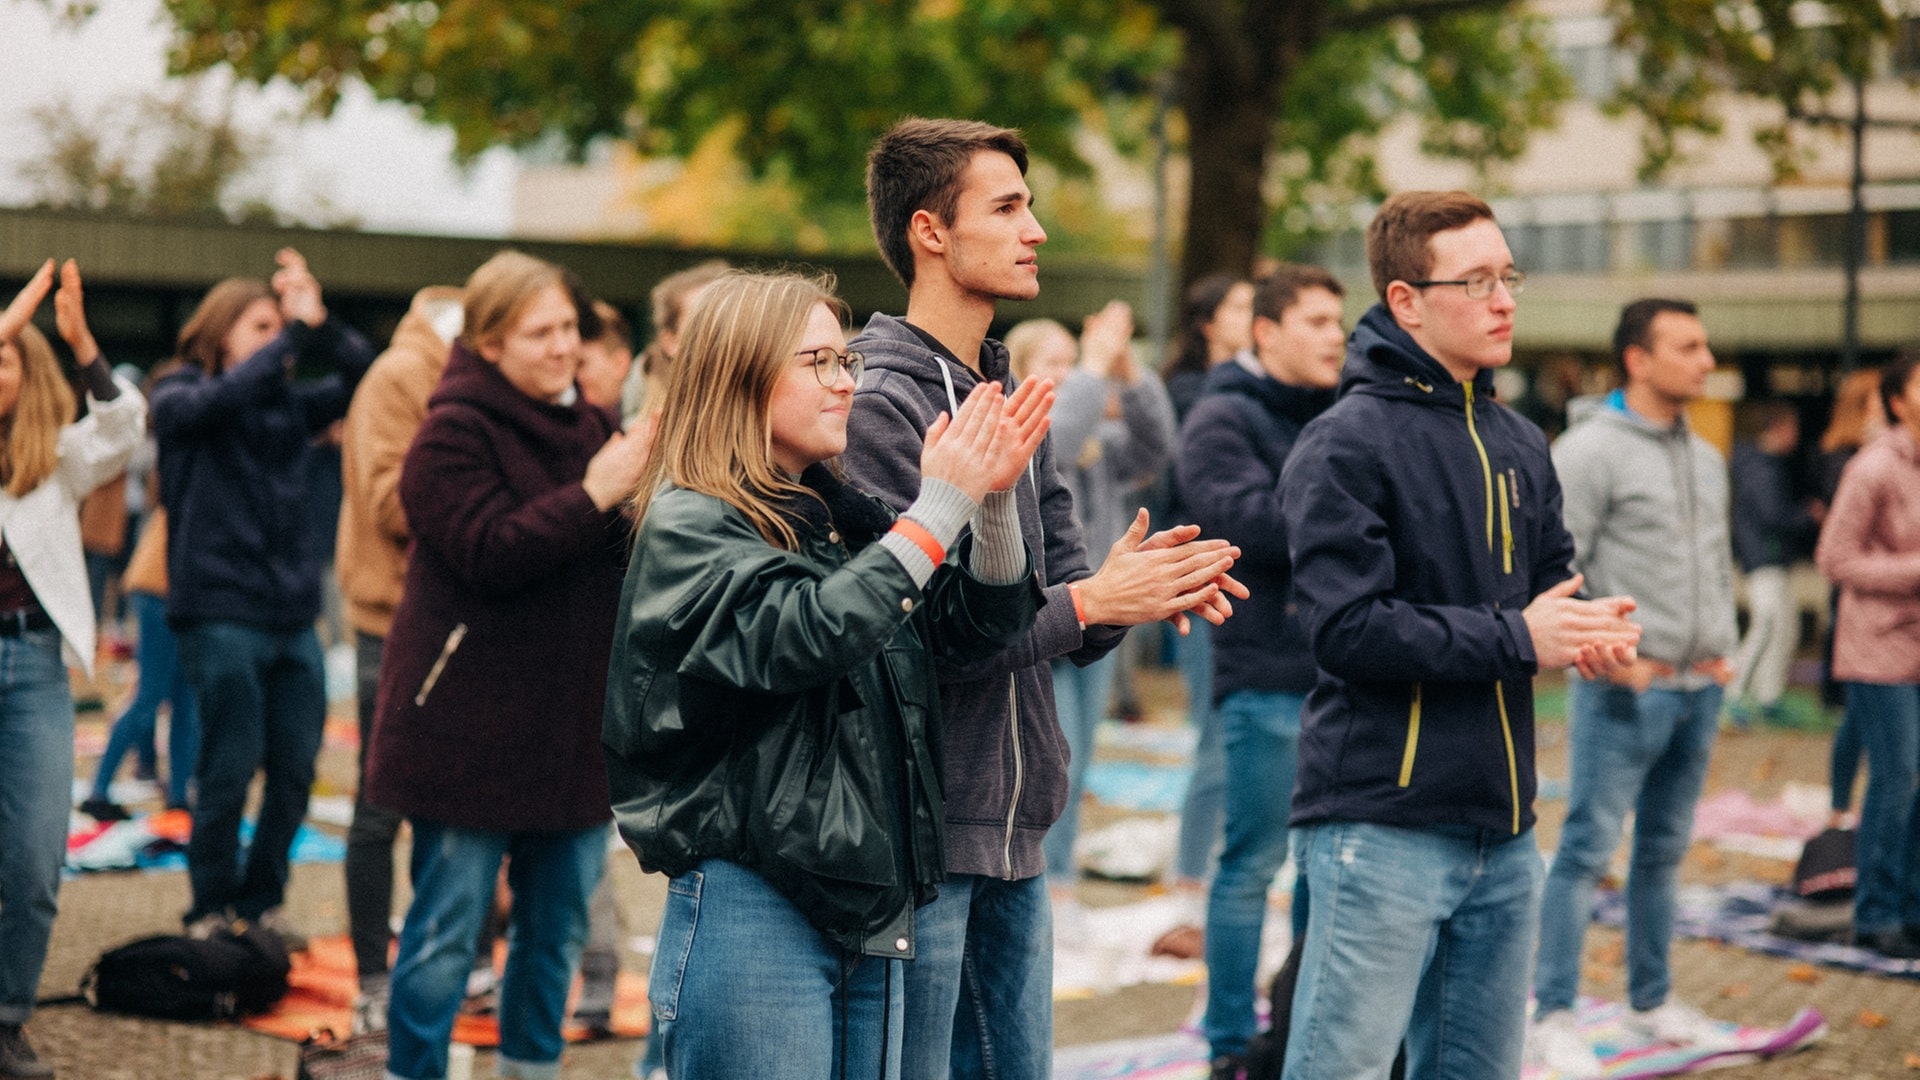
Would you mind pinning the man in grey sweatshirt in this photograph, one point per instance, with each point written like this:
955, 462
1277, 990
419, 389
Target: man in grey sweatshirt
953, 216
1646, 500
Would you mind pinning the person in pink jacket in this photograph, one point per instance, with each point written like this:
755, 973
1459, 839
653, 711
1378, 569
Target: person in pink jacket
1870, 548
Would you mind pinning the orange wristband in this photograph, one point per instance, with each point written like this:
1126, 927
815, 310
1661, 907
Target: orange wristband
922, 539
1079, 610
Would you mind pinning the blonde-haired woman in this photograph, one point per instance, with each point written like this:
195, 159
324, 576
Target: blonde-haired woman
771, 713
48, 462
486, 736
235, 430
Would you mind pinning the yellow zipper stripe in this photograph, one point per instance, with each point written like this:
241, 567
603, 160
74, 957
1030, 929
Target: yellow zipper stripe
1506, 527
1486, 467
1513, 767
1413, 739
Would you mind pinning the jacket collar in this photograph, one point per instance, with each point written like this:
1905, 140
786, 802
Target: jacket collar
838, 505
473, 381
1297, 403
1385, 361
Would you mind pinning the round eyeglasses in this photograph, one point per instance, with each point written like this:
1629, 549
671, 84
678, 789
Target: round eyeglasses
1479, 286
827, 364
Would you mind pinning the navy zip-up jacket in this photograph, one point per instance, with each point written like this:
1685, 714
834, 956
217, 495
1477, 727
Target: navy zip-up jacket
1232, 449
1422, 518
233, 477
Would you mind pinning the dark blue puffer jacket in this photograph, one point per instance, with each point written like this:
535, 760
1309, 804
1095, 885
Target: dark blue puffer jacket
1422, 517
1232, 448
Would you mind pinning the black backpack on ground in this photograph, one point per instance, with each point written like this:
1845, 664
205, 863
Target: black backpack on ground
232, 973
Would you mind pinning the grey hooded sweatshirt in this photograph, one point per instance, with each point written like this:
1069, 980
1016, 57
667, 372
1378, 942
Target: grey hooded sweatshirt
1648, 509
1003, 757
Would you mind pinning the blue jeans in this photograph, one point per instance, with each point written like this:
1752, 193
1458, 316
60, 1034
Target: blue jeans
454, 871
1641, 752
1205, 804
980, 986
36, 782
1080, 696
1887, 847
742, 985
1262, 735
263, 704
1421, 933
161, 682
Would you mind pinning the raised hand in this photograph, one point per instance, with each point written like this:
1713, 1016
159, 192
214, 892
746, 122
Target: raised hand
26, 302
1022, 427
1146, 579
616, 468
70, 316
298, 289
963, 449
1106, 341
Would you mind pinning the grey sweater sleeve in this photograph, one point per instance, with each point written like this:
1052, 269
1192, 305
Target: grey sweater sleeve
999, 556
941, 509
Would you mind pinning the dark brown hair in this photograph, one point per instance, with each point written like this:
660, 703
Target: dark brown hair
1280, 290
916, 166
1894, 378
1197, 306
203, 339
1397, 240
1636, 323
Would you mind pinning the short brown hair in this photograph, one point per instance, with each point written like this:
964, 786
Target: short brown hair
1397, 240
203, 340
916, 166
500, 289
1280, 290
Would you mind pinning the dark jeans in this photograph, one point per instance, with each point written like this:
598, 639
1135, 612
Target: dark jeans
370, 837
263, 704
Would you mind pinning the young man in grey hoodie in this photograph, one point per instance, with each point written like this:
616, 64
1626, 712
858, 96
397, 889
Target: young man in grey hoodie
1646, 500
954, 220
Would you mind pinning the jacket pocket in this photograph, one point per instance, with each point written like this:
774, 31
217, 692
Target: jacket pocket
454, 637
1413, 738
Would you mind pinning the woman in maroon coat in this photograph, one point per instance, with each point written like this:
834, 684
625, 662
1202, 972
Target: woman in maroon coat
488, 729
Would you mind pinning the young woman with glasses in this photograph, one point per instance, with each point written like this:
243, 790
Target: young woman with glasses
771, 710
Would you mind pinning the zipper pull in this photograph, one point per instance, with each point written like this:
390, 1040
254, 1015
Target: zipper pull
1513, 487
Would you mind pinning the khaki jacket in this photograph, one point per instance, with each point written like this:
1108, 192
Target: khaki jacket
371, 551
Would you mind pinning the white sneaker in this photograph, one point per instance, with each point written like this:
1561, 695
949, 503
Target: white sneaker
1554, 1041
1681, 1024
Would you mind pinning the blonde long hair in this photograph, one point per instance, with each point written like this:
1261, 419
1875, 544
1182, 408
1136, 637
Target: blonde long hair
715, 432
30, 434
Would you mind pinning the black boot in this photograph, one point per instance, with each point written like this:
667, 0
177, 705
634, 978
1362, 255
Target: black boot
17, 1059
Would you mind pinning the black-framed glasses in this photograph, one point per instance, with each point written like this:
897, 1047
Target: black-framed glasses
1480, 286
827, 364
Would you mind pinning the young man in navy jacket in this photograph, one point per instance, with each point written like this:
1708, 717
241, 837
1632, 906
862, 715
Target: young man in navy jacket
1432, 570
1232, 447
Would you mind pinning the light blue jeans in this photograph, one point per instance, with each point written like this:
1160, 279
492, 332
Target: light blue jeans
36, 782
1262, 735
1421, 933
551, 874
161, 683
1205, 805
744, 986
980, 986
1888, 844
1625, 751
1080, 696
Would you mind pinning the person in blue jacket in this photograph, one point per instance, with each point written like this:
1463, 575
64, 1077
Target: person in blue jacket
235, 431
1431, 569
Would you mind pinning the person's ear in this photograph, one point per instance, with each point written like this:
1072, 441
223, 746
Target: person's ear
1403, 303
1265, 330
1632, 359
489, 350
927, 232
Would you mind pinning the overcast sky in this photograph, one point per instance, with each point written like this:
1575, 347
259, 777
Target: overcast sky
372, 160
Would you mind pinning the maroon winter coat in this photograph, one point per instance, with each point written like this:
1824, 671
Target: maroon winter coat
495, 674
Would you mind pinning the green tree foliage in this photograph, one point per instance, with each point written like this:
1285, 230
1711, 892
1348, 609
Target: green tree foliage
1282, 102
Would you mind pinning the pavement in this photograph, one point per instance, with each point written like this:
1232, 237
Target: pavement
1875, 1021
